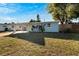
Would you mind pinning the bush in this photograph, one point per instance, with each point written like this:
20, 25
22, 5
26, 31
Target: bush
67, 31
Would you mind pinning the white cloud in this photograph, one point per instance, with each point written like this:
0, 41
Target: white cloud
4, 10
3, 4
7, 19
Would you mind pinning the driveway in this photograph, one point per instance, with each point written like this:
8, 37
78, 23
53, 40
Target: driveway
19, 32
5, 34
8, 33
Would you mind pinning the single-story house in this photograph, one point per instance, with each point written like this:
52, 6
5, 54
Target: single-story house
44, 26
31, 26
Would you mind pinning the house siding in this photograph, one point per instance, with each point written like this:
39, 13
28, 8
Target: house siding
54, 26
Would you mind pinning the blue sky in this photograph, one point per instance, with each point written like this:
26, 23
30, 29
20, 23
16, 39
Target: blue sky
23, 12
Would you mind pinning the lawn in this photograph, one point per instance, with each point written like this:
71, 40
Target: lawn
42, 44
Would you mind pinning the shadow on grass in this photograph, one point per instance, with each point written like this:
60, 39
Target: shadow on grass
32, 37
38, 38
67, 36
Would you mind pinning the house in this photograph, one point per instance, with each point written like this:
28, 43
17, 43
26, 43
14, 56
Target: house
51, 26
31, 26
45, 26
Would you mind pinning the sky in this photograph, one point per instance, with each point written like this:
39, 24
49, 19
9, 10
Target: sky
23, 12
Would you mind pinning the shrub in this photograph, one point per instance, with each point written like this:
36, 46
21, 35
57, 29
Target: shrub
67, 30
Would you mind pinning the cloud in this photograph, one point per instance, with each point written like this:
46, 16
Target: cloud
7, 19
6, 4
6, 8
3, 4
20, 12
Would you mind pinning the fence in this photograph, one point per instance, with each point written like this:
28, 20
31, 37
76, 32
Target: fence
69, 27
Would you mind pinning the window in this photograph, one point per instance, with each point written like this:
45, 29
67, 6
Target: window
12, 26
4, 26
48, 24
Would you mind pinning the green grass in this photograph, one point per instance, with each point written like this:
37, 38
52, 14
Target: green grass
40, 44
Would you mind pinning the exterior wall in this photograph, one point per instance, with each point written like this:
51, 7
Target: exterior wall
54, 27
10, 28
18, 27
29, 27
36, 30
2, 27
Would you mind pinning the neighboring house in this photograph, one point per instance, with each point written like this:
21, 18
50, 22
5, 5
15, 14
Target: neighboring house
31, 26
2, 27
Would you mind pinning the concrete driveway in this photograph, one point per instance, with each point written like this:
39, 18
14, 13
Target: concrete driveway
5, 34
19, 32
8, 33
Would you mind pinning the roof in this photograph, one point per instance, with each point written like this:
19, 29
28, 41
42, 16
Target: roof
27, 23
46, 22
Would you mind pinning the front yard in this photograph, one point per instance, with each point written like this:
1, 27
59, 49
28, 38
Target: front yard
24, 44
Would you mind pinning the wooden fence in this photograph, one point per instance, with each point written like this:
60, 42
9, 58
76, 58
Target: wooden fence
69, 27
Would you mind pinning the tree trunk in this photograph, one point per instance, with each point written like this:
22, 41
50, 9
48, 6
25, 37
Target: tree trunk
62, 22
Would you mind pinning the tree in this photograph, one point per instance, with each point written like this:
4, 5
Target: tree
57, 11
72, 10
64, 12
38, 18
32, 20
